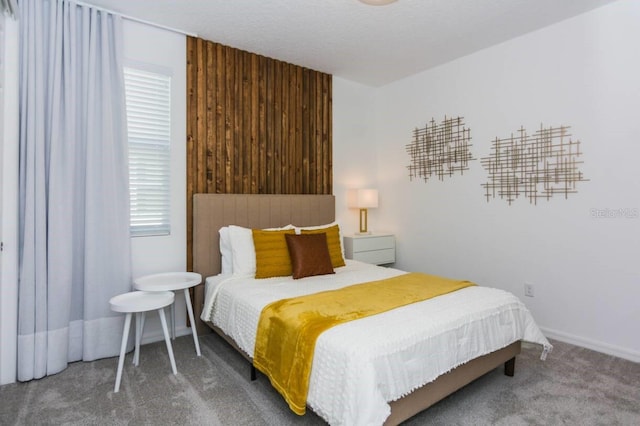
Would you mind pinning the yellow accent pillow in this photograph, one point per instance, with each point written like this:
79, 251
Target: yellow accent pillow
272, 253
333, 242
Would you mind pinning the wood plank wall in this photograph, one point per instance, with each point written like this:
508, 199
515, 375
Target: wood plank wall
255, 125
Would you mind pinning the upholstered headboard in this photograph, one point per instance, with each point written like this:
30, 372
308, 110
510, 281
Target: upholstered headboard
213, 211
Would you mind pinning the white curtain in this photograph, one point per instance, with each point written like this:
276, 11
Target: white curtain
8, 7
74, 205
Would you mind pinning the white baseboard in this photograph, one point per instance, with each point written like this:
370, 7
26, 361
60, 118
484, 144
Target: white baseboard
592, 344
158, 335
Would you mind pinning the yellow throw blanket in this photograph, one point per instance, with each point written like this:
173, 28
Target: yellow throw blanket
288, 328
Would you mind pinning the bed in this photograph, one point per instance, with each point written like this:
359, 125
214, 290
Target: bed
380, 387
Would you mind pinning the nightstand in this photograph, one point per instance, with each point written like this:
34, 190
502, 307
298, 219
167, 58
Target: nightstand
378, 249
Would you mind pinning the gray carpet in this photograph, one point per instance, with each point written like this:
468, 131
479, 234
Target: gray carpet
575, 386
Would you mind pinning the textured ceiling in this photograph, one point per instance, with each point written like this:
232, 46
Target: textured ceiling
373, 45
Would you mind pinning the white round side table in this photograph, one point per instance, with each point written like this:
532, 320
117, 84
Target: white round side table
173, 281
139, 302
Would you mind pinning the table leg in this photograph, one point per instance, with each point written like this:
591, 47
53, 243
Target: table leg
144, 319
136, 351
187, 300
140, 317
167, 340
123, 347
173, 320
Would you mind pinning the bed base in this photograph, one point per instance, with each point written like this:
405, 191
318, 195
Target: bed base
424, 397
230, 341
445, 385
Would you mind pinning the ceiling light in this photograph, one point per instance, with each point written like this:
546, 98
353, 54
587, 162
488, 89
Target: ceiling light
377, 2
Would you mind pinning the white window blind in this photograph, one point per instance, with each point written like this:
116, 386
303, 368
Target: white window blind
148, 97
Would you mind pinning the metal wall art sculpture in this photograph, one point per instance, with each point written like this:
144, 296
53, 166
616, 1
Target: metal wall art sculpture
535, 166
439, 149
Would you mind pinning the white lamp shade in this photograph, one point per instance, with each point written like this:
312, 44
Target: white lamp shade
362, 198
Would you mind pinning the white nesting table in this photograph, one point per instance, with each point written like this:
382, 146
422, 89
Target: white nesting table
139, 302
173, 281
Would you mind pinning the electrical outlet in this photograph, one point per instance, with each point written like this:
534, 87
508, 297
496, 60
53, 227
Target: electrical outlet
528, 289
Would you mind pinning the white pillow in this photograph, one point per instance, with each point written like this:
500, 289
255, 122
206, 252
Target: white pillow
243, 251
328, 225
226, 261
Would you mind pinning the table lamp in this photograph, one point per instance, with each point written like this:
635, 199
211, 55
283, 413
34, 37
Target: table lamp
362, 199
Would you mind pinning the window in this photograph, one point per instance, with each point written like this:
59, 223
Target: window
148, 100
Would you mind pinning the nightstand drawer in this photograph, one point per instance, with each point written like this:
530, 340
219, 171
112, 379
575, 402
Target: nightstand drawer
376, 249
376, 257
373, 243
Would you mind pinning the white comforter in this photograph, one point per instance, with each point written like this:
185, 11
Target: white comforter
360, 365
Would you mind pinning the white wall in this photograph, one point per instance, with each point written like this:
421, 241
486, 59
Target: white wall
164, 51
354, 150
583, 72
9, 199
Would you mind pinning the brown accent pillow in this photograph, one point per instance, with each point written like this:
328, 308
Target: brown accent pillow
309, 255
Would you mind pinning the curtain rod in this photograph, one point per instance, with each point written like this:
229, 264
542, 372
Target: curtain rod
134, 19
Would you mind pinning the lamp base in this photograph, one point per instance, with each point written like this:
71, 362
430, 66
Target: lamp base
363, 222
